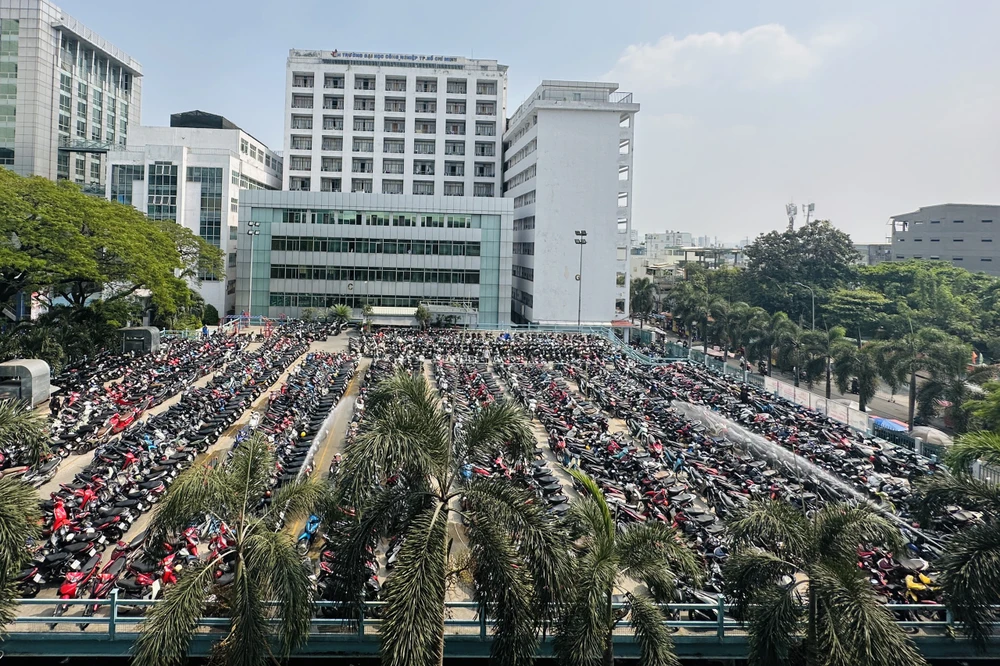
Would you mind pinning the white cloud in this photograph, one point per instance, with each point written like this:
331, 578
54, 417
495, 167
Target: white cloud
763, 55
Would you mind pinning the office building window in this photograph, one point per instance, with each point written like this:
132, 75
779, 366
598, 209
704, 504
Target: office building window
302, 143
423, 147
395, 84
302, 101
300, 163
423, 187
486, 108
302, 122
330, 102
210, 216
423, 167
455, 106
331, 164
486, 88
333, 81
454, 189
364, 82
95, 171
454, 168
454, 147
457, 87
333, 143
424, 127
329, 184
454, 127
364, 124
425, 106
393, 146
364, 103
485, 149
361, 185
395, 125
298, 183
395, 105
485, 170
333, 122
362, 165
362, 145
161, 201
486, 129
392, 166
122, 176
482, 190
392, 187
427, 85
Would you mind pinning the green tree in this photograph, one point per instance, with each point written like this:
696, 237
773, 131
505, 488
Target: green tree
309, 314
969, 570
768, 333
22, 430
517, 554
927, 349
342, 313
792, 351
796, 585
606, 556
20, 522
211, 315
642, 298
422, 315
692, 306
952, 383
265, 564
855, 309
984, 410
822, 347
861, 364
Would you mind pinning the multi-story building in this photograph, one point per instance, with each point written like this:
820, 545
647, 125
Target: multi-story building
393, 124
320, 249
872, 254
67, 95
964, 235
568, 168
657, 244
192, 173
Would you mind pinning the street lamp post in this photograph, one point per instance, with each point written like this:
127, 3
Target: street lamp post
813, 294
581, 240
252, 232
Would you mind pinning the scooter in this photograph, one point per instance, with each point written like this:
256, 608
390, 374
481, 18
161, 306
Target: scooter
75, 585
305, 540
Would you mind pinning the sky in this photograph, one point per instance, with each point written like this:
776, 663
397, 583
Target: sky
867, 109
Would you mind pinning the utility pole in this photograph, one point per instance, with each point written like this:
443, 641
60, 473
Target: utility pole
581, 240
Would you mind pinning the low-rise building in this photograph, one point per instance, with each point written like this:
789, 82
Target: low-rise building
964, 235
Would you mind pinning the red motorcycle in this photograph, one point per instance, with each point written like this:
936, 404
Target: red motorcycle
75, 585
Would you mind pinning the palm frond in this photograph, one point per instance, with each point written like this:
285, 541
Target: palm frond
592, 510
655, 645
852, 627
771, 524
840, 528
248, 474
413, 620
22, 428
940, 490
655, 554
970, 576
750, 573
19, 521
773, 626
500, 426
198, 489
165, 633
585, 624
271, 561
247, 642
294, 501
504, 591
969, 448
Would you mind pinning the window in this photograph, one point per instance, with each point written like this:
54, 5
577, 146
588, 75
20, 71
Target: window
482, 190
454, 148
524, 199
161, 188
524, 223
392, 187
935, 221
486, 88
423, 147
423, 187
81, 129
364, 124
485, 170
234, 207
333, 122
81, 109
364, 145
918, 240
81, 91
454, 189
361, 185
362, 165
454, 168
332, 164
486, 129
302, 122
423, 168
427, 85
395, 105
302, 81
302, 101
958, 221
302, 143
395, 125
364, 83
523, 248
523, 272
333, 143
987, 221
425, 106
424, 127
64, 123
456, 87
956, 258
393, 146
987, 240
330, 102
299, 163
244, 146
95, 170
455, 106
329, 185
333, 81
486, 108
485, 149
364, 103
298, 183
957, 240
392, 166
395, 84
454, 127
933, 240
986, 259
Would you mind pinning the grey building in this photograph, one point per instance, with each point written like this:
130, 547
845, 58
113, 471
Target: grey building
67, 95
872, 254
964, 235
320, 249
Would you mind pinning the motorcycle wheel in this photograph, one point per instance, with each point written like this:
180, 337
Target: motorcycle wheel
302, 547
29, 589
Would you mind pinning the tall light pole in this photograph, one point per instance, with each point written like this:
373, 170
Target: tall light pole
252, 232
581, 240
813, 294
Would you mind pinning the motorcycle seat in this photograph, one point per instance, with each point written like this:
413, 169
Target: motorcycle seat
143, 566
129, 584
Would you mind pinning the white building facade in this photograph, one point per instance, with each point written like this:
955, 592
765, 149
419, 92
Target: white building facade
568, 168
393, 124
193, 175
321, 249
67, 95
658, 244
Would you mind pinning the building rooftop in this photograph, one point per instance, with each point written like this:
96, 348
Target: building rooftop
343, 56
201, 119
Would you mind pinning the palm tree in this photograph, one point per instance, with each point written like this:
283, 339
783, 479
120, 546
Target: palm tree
651, 553
20, 521
924, 350
641, 298
796, 585
517, 553
738, 324
791, 349
953, 383
366, 312
265, 564
822, 347
341, 313
692, 305
721, 324
768, 331
22, 430
422, 315
862, 364
969, 570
